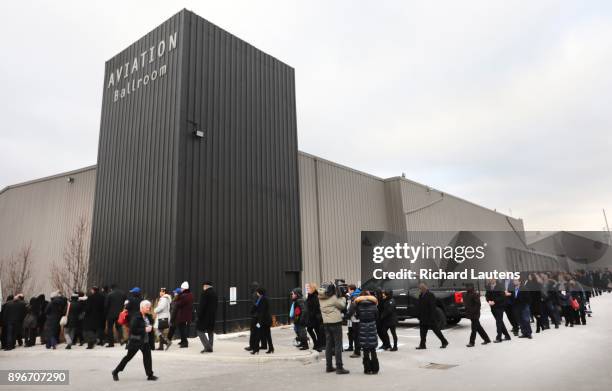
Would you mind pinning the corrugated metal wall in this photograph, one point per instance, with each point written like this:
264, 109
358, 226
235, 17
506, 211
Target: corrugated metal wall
348, 202
45, 213
238, 200
135, 211
427, 209
337, 203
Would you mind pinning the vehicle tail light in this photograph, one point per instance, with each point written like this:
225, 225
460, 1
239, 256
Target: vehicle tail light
458, 297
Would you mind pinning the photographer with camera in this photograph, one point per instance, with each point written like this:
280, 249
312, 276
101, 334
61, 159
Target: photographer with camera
332, 303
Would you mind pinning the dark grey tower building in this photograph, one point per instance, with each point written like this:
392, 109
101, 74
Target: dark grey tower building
197, 165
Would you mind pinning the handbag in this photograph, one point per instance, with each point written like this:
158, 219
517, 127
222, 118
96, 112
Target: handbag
574, 304
123, 318
64, 319
162, 324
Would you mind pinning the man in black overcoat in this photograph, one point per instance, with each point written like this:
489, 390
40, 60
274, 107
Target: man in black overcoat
207, 313
427, 317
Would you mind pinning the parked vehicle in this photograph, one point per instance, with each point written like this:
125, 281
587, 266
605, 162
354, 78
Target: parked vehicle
406, 293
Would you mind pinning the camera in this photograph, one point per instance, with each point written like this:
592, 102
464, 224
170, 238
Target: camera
341, 287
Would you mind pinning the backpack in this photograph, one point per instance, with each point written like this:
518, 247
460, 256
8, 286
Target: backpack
123, 318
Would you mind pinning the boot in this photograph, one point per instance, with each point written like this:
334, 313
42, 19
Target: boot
366, 364
374, 365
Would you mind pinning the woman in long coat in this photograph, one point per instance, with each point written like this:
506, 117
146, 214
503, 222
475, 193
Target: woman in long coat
314, 324
53, 313
367, 312
264, 321
75, 308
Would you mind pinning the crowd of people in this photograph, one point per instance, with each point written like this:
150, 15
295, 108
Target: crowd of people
109, 315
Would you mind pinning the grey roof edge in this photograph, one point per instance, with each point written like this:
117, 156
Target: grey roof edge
48, 178
342, 166
403, 179
547, 234
185, 10
450, 195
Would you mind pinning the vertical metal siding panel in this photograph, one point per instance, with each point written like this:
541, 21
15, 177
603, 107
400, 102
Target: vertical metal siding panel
246, 202
308, 220
133, 203
349, 202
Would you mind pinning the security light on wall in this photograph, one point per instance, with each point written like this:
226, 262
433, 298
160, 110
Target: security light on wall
197, 132
70, 179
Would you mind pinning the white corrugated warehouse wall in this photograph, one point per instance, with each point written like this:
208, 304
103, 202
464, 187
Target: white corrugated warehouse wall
45, 213
336, 204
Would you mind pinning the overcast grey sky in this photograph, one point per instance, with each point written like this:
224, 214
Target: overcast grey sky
504, 103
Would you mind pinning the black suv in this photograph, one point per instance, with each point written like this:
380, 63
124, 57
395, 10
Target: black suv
406, 294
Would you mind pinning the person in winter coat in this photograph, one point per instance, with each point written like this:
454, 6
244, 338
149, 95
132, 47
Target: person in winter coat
133, 306
298, 313
207, 315
366, 308
184, 313
112, 307
54, 311
30, 323
141, 334
332, 304
353, 321
22, 310
388, 319
496, 299
314, 325
264, 321
520, 305
175, 293
534, 287
162, 318
93, 323
3, 323
254, 332
13, 313
426, 308
42, 318
471, 300
577, 292
564, 297
74, 311
550, 294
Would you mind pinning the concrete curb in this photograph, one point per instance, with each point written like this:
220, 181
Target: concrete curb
309, 358
223, 337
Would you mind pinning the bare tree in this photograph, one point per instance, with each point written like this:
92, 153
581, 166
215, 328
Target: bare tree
71, 272
17, 271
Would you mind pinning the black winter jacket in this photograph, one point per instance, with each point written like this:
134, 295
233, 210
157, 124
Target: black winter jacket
262, 312
207, 310
427, 308
138, 335
315, 319
367, 312
472, 305
388, 315
114, 304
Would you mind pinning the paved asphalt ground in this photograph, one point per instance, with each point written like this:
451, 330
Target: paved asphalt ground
565, 359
